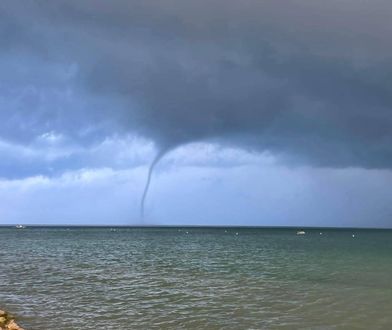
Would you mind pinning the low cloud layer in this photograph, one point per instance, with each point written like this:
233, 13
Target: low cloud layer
203, 195
308, 81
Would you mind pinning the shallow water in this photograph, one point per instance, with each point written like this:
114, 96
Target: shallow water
134, 278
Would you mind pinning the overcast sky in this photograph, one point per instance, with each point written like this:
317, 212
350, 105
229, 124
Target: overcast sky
260, 112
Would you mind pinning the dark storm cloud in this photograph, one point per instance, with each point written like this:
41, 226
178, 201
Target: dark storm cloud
310, 81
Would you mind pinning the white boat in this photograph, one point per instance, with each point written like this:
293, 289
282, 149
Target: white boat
301, 232
20, 227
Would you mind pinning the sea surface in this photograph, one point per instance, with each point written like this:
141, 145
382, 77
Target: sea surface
196, 278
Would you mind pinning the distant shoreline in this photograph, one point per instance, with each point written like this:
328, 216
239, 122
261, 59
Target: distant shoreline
196, 227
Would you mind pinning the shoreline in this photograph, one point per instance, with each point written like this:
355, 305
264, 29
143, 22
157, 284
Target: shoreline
7, 322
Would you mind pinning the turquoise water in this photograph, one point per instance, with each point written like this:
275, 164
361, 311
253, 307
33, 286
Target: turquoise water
196, 278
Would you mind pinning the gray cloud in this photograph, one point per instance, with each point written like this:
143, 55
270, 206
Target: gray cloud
308, 81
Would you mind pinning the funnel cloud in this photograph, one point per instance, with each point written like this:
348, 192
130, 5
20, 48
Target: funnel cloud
157, 158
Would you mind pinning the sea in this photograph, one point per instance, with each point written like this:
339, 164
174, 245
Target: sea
196, 278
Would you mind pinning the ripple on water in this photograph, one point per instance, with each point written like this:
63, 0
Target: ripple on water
163, 278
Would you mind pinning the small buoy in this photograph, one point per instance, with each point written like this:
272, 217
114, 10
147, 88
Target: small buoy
353, 235
236, 233
321, 233
186, 232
